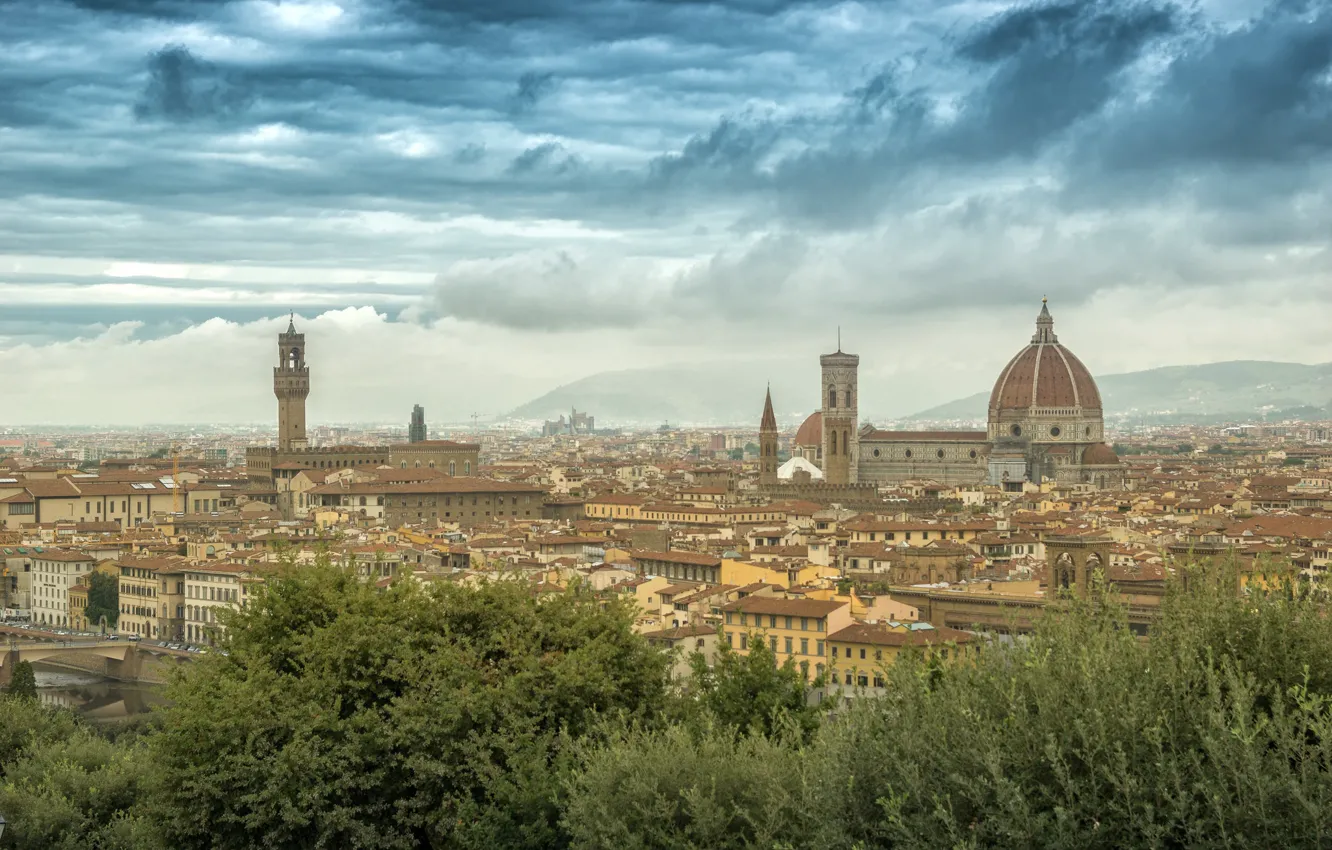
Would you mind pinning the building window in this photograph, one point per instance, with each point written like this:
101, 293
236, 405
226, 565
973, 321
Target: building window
1054, 431
804, 624
832, 396
1016, 430
788, 645
804, 646
907, 453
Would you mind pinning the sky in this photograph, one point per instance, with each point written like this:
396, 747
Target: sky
469, 202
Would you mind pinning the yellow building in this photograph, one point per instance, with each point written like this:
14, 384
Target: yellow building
795, 629
152, 593
861, 652
78, 607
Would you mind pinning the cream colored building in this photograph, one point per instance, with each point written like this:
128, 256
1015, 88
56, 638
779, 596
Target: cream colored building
152, 594
210, 588
126, 503
54, 572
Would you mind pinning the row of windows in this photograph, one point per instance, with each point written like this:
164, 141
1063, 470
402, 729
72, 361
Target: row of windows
909, 454
453, 466
682, 571
758, 621
924, 535
214, 594
772, 643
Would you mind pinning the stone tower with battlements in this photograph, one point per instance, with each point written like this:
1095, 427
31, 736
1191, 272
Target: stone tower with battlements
768, 445
841, 440
291, 385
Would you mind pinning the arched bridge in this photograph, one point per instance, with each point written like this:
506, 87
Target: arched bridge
122, 656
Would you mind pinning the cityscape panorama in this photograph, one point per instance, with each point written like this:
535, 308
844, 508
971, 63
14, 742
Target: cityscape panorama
640, 424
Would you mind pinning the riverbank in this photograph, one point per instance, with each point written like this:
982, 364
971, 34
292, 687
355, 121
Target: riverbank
93, 696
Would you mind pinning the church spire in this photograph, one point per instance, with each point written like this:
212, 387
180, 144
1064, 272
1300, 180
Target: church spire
769, 422
1044, 325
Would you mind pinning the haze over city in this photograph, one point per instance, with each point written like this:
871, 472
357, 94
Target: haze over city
507, 197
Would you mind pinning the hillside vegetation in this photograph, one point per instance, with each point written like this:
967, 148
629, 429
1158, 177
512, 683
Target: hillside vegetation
483, 717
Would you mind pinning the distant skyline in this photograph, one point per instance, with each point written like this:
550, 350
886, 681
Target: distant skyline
468, 203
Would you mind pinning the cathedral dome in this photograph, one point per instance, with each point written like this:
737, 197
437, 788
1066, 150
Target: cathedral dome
1044, 374
1100, 455
811, 430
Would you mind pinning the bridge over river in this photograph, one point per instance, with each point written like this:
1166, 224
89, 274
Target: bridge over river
122, 659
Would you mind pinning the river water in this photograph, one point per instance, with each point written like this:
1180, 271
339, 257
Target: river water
92, 696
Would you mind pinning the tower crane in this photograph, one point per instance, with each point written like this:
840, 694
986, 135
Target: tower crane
175, 478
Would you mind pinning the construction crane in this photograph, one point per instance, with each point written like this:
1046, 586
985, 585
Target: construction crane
175, 478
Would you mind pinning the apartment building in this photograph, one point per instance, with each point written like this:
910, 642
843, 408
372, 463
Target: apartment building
152, 597
795, 629
54, 572
210, 588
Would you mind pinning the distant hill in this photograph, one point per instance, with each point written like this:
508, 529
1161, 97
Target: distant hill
1211, 392
731, 393
725, 393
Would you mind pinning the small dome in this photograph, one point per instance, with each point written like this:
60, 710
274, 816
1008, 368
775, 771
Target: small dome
1044, 374
811, 430
1100, 455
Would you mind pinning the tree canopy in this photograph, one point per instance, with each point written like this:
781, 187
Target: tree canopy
346, 716
22, 682
103, 599
455, 716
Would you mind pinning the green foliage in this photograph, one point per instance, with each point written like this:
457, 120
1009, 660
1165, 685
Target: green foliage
349, 717
65, 787
22, 682
25, 725
76, 793
673, 788
750, 693
103, 599
1086, 737
452, 717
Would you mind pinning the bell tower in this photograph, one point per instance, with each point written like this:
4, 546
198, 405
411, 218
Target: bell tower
291, 385
841, 438
768, 445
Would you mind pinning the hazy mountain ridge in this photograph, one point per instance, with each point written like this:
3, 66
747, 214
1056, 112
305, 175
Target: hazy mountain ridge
730, 393
1237, 389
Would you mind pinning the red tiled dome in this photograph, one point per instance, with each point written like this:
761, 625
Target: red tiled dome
811, 430
1100, 455
1044, 374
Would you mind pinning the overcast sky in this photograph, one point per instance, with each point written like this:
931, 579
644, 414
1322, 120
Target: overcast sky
468, 202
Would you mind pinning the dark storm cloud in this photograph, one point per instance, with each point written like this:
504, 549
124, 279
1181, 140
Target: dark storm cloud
1260, 94
547, 157
927, 136
1046, 68
183, 87
532, 87
1052, 65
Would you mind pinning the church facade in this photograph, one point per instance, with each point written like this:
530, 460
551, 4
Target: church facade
1045, 424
